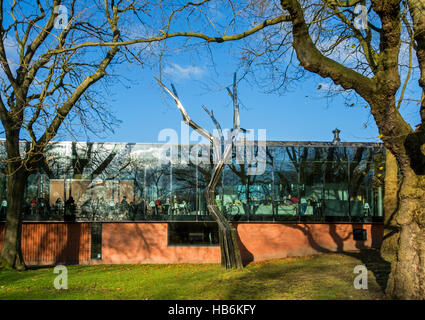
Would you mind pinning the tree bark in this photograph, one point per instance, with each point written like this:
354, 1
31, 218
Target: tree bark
407, 278
11, 254
17, 174
391, 229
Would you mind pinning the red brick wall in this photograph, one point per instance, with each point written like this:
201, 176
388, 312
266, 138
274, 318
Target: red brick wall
53, 243
147, 243
263, 241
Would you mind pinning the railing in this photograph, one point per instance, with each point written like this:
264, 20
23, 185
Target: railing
232, 212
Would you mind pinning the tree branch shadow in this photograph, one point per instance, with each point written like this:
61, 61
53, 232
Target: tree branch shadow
369, 256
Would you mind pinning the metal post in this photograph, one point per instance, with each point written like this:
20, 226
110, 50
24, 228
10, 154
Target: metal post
380, 207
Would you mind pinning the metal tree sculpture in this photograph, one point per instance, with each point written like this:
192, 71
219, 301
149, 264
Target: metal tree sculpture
230, 253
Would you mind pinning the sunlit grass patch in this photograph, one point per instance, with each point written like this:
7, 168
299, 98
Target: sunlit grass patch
327, 276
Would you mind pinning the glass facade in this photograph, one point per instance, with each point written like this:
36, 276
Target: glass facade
300, 181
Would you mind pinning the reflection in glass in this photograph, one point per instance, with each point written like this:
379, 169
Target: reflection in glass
132, 182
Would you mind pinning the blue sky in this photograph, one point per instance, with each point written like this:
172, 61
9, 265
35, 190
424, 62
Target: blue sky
302, 114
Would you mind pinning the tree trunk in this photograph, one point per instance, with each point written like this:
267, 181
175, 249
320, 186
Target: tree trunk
11, 254
391, 229
407, 278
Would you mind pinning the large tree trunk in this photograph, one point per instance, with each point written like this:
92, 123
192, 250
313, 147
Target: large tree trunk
17, 173
391, 229
11, 254
407, 278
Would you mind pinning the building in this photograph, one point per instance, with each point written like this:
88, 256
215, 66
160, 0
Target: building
144, 202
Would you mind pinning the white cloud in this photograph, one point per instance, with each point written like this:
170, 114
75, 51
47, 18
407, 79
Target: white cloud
188, 72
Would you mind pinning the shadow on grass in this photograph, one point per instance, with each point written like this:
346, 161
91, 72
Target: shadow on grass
310, 277
40, 267
370, 258
260, 282
8, 277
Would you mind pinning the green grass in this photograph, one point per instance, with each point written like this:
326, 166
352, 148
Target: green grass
326, 276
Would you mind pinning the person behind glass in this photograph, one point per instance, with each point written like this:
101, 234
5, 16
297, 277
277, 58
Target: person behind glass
313, 203
26, 206
183, 207
59, 205
3, 208
111, 205
366, 209
132, 210
124, 205
141, 206
158, 206
288, 199
70, 208
151, 208
303, 203
321, 207
176, 206
167, 206
294, 200
44, 206
33, 206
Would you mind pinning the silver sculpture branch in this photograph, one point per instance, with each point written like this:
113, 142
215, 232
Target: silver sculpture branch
230, 253
185, 116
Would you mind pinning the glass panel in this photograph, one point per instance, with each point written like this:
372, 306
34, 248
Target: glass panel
261, 187
286, 186
235, 194
335, 193
361, 177
193, 233
158, 186
116, 182
99, 186
378, 183
96, 241
311, 180
185, 185
204, 169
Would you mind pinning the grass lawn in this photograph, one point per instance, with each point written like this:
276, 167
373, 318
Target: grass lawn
326, 276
